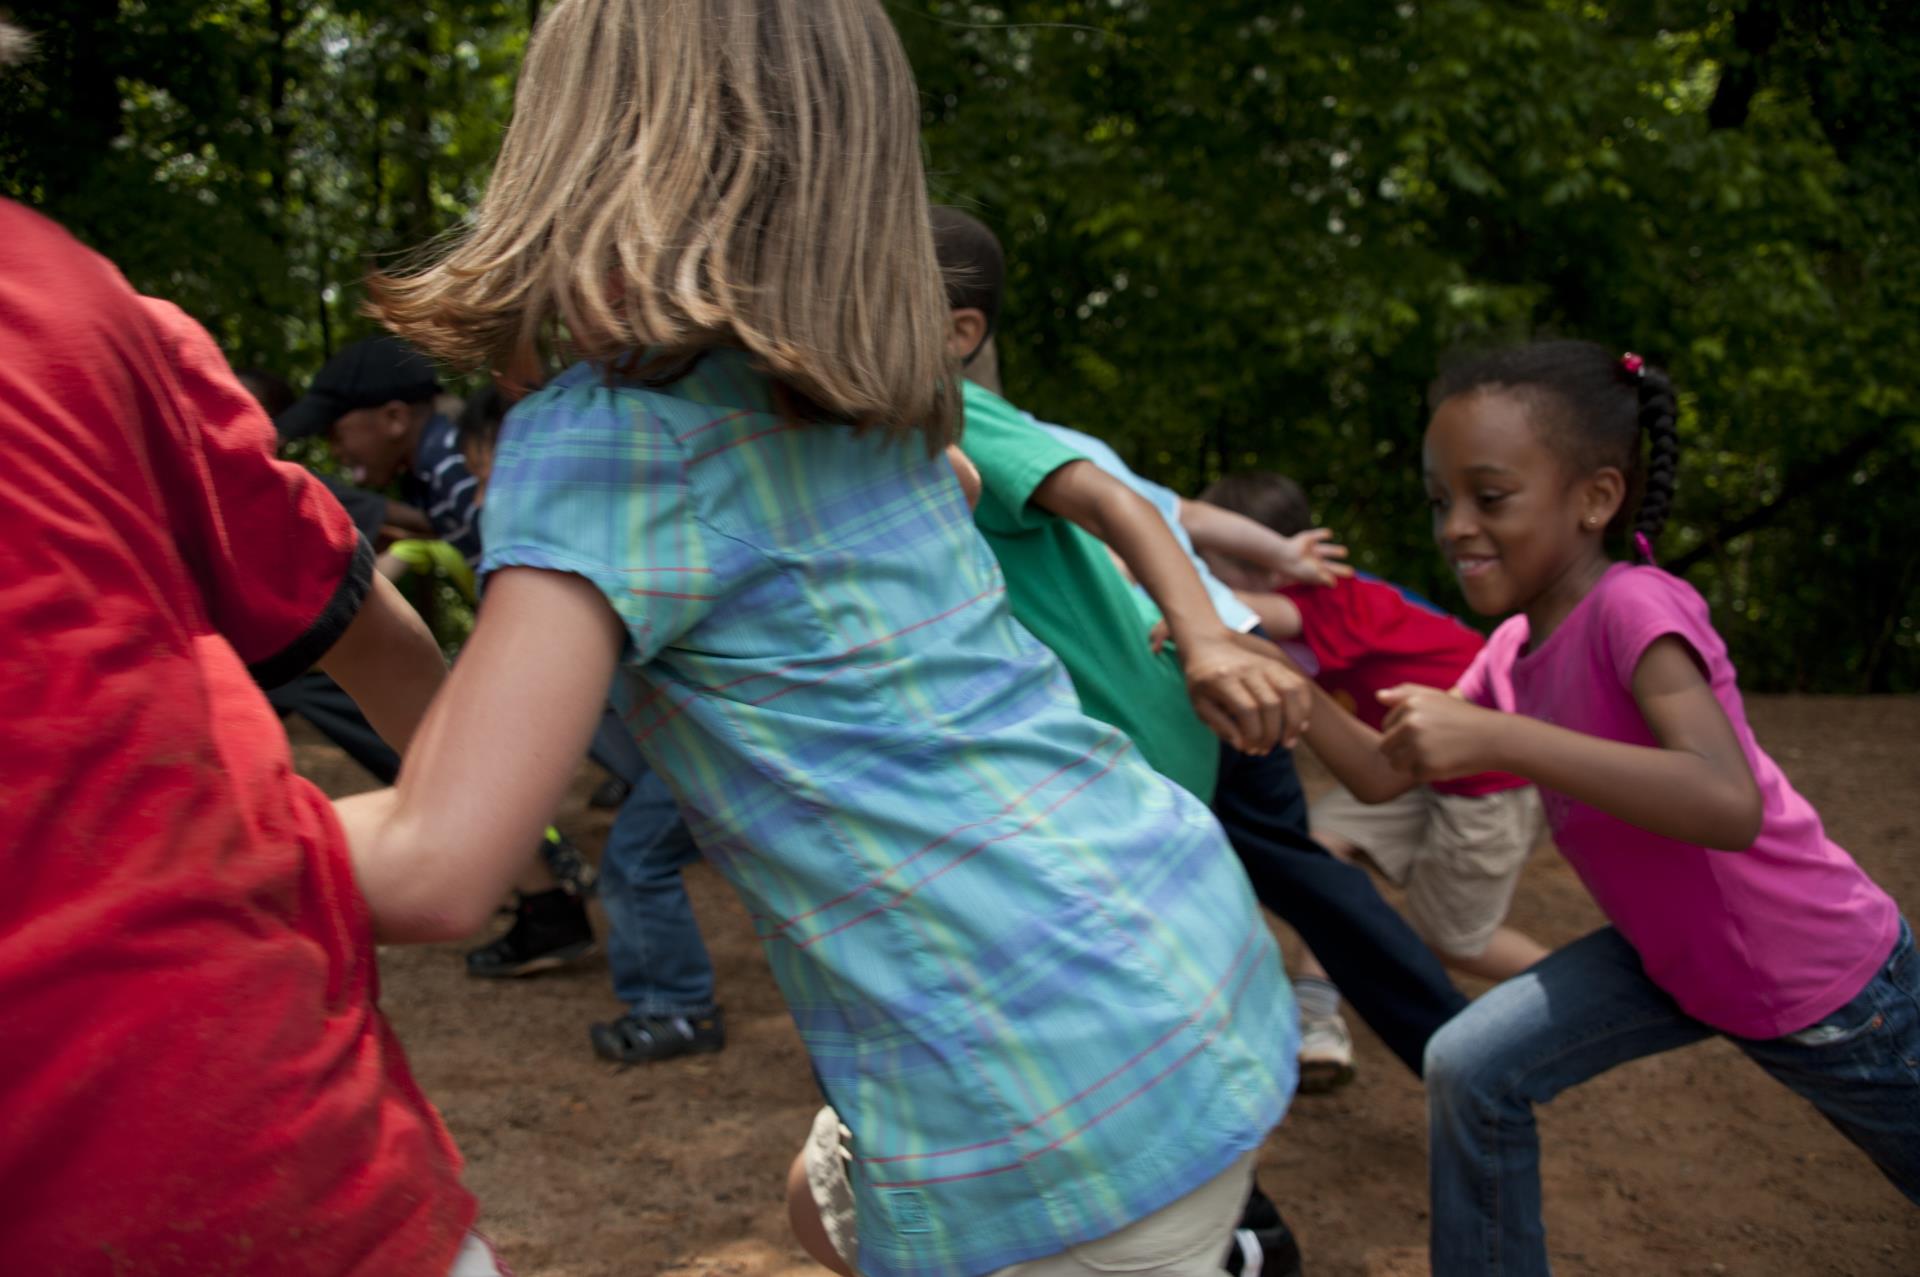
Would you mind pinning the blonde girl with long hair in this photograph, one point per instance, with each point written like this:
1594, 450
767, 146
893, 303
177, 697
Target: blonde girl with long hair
1047, 1017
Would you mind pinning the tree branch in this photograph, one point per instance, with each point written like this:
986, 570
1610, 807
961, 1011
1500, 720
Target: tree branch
1804, 480
1756, 29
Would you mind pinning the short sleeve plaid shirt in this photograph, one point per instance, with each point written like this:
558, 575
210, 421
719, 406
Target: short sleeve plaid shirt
1028, 970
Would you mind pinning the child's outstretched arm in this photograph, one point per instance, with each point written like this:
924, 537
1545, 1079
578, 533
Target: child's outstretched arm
1695, 786
387, 661
1351, 751
1249, 699
1279, 617
1306, 558
434, 854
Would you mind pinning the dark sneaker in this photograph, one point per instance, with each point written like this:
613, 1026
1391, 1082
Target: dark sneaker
568, 865
645, 1039
550, 929
1263, 1245
612, 792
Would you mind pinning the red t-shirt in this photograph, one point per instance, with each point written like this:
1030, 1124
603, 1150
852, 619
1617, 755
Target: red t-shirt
1369, 635
194, 1078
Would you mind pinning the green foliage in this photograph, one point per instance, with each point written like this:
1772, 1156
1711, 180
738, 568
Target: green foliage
1275, 221
251, 159
1240, 233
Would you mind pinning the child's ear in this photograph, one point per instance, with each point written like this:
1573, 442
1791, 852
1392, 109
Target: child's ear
394, 416
966, 331
1600, 497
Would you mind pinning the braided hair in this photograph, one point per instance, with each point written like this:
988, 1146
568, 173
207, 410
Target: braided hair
1596, 408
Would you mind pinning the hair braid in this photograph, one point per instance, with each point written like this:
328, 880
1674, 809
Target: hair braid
1660, 428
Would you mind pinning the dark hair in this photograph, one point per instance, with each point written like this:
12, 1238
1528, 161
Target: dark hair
971, 261
479, 424
1594, 406
1264, 497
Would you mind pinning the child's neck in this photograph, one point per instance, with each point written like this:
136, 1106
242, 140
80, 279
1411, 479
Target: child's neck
1551, 606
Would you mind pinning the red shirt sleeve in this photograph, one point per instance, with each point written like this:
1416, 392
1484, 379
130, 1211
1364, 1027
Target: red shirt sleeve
279, 564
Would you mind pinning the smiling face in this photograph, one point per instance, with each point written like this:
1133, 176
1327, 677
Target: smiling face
1521, 532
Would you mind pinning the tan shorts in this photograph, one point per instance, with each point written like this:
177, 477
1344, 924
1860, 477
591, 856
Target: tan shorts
1458, 857
1186, 1239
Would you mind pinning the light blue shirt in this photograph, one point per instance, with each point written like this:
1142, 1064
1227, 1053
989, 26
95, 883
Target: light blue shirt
1233, 612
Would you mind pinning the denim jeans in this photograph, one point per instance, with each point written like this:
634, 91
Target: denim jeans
1590, 1007
1383, 968
659, 962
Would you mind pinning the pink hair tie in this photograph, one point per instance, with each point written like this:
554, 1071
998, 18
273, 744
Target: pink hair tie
1633, 364
1644, 547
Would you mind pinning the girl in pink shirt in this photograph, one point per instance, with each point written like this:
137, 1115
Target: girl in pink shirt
1732, 911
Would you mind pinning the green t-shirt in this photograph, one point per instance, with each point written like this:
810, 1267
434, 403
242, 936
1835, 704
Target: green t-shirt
1065, 589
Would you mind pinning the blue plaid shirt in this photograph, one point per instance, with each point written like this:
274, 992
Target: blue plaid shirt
1029, 972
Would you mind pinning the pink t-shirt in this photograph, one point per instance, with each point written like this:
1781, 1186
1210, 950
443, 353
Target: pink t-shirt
1757, 943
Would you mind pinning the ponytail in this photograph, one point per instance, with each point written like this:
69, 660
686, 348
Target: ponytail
1660, 430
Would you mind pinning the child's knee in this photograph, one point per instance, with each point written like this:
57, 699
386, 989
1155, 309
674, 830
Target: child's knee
1456, 1058
803, 1215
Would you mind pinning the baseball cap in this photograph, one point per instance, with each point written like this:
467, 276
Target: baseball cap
364, 375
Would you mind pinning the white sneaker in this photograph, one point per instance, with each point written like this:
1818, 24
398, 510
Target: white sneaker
1326, 1055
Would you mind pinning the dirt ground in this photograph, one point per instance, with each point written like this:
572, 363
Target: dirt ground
1694, 1162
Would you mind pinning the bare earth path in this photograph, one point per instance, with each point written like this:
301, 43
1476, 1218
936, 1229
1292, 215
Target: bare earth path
1694, 1162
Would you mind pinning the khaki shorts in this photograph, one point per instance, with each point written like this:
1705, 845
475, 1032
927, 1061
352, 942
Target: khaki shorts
1186, 1239
1458, 857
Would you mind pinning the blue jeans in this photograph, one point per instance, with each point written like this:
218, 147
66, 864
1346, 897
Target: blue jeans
1383, 968
1589, 1007
659, 962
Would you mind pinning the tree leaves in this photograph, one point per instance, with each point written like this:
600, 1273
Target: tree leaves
1239, 233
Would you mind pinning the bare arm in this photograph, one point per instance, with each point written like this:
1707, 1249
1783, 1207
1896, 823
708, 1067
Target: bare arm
1248, 699
1351, 751
491, 762
1308, 558
1278, 615
967, 473
1694, 786
388, 663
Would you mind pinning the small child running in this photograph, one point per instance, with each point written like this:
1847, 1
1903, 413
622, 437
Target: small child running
1456, 846
1031, 979
1731, 911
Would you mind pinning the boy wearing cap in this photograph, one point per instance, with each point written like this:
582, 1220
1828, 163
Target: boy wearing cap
374, 402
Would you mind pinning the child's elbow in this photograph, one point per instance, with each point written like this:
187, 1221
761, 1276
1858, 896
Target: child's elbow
1373, 792
1739, 827
420, 898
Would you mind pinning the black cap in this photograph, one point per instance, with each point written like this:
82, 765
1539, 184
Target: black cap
364, 375
971, 259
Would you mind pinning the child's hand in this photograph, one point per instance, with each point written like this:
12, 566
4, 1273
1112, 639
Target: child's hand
1244, 693
1312, 558
1435, 735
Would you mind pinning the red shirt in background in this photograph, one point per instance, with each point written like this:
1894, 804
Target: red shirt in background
194, 1078
1369, 635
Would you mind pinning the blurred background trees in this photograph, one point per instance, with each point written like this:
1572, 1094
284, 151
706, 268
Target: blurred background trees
1241, 233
